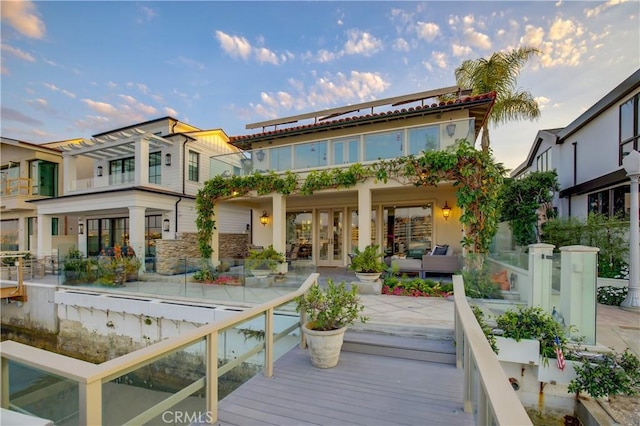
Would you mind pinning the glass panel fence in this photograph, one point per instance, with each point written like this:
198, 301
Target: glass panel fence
37, 393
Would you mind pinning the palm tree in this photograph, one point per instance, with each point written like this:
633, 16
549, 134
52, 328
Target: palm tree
498, 74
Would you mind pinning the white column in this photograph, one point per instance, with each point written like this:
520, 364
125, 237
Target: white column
278, 222
364, 217
540, 272
142, 162
44, 235
579, 275
70, 174
136, 231
82, 238
633, 296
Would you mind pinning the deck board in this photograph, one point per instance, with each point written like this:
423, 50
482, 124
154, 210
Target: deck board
363, 389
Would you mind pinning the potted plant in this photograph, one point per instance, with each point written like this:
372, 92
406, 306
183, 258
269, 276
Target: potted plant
329, 313
367, 264
263, 262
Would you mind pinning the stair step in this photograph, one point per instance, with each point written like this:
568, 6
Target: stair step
416, 348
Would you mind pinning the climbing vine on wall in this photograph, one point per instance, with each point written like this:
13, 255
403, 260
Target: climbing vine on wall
475, 176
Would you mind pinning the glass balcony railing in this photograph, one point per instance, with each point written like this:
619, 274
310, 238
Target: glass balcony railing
342, 152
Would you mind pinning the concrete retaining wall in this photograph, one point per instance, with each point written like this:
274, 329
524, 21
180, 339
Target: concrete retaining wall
37, 313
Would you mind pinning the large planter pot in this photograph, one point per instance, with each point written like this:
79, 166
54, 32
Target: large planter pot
282, 268
324, 346
368, 287
368, 277
524, 351
260, 273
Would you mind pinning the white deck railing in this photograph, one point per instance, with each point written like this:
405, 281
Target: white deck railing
90, 378
487, 391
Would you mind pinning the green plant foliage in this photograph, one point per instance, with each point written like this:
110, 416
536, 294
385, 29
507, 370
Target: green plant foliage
488, 332
477, 279
606, 233
332, 308
522, 200
610, 295
417, 287
608, 374
477, 179
368, 260
264, 259
532, 323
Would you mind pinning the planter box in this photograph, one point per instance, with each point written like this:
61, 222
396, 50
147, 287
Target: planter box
374, 287
524, 352
550, 373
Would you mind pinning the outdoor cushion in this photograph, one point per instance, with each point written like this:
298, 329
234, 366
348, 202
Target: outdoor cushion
439, 250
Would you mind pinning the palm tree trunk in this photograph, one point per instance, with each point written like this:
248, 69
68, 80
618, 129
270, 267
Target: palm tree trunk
484, 142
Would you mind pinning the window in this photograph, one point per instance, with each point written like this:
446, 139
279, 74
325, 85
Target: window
44, 176
346, 151
9, 235
32, 231
153, 232
383, 145
629, 126
122, 170
194, 166
310, 155
611, 202
10, 178
280, 158
409, 230
54, 226
543, 161
106, 233
424, 139
155, 167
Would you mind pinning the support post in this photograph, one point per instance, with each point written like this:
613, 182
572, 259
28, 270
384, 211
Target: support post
631, 164
541, 271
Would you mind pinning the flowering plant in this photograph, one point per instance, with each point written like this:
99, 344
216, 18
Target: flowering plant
226, 280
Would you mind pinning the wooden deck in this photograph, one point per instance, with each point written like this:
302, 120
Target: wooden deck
362, 390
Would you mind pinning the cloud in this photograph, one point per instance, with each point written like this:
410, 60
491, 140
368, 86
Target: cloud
427, 30
13, 115
533, 36
100, 107
602, 7
188, 62
265, 55
561, 29
21, 16
170, 111
234, 46
361, 43
17, 52
401, 45
147, 14
460, 51
542, 101
55, 88
477, 39
440, 59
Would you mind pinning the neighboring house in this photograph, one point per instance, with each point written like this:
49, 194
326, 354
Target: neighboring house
29, 172
325, 227
587, 154
135, 186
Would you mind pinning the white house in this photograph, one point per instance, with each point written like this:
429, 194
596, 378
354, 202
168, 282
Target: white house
135, 186
587, 154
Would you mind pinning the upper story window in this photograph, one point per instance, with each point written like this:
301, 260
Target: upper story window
44, 177
424, 139
629, 126
346, 151
122, 170
310, 155
10, 178
543, 161
194, 166
383, 145
155, 167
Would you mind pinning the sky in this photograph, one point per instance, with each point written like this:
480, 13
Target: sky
77, 68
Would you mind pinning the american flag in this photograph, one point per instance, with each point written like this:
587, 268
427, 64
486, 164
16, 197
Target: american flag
559, 354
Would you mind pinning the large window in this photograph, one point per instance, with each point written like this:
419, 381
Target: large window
543, 161
152, 232
155, 167
44, 178
346, 151
611, 202
194, 166
310, 155
629, 126
106, 233
10, 178
9, 235
408, 230
280, 158
383, 145
424, 139
122, 170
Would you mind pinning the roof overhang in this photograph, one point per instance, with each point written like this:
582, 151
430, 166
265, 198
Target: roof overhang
115, 145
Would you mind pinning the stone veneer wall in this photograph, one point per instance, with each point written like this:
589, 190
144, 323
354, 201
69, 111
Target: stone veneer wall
174, 256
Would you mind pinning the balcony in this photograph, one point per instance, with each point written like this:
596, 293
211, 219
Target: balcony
103, 182
344, 151
15, 192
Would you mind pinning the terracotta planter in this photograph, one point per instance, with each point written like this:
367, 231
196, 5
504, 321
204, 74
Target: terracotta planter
324, 346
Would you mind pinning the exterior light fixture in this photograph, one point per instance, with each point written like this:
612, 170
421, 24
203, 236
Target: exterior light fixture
80, 228
165, 225
264, 219
451, 129
167, 159
260, 155
99, 170
446, 211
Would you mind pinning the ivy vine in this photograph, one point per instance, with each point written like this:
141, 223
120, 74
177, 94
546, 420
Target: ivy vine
475, 176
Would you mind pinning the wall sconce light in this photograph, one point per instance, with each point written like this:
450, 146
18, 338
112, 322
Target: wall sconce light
446, 211
165, 225
99, 170
264, 219
260, 155
80, 228
451, 129
167, 159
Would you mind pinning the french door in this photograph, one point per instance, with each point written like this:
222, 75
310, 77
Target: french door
331, 231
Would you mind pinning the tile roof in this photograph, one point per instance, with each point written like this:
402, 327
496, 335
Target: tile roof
481, 103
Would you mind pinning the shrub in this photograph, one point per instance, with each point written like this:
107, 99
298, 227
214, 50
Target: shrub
488, 332
416, 287
608, 374
610, 295
332, 308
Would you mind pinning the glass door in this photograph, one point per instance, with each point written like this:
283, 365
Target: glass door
331, 237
